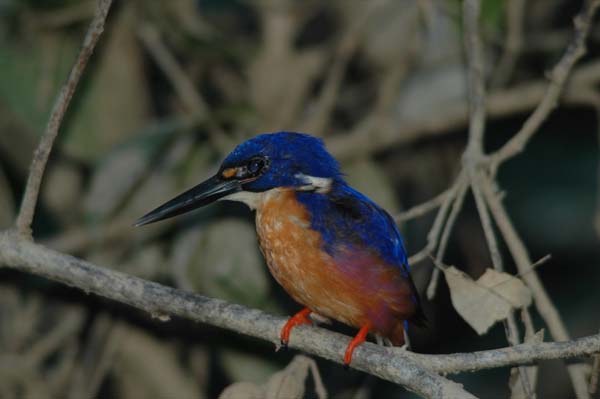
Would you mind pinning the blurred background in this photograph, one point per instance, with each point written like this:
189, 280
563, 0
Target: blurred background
175, 85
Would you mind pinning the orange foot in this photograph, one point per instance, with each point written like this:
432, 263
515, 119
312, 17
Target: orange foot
359, 339
299, 318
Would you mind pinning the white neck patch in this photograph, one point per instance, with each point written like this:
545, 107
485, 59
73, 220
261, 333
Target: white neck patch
249, 198
321, 185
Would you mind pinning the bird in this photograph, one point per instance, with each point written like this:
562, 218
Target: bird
332, 249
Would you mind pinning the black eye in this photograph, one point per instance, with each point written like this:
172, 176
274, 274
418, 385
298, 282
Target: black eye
255, 165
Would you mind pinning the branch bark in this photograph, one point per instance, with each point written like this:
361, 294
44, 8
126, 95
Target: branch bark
416, 372
161, 302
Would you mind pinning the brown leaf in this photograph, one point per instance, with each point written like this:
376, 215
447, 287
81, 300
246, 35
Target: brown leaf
289, 383
243, 390
483, 302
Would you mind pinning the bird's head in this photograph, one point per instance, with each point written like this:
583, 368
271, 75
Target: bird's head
263, 163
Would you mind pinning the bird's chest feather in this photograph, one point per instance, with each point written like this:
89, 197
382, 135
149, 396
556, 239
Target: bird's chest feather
291, 248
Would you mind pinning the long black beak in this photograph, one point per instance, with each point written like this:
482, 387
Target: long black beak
200, 195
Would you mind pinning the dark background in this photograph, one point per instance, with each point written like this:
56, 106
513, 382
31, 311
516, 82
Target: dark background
173, 86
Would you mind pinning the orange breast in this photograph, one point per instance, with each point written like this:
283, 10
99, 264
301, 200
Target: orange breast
351, 288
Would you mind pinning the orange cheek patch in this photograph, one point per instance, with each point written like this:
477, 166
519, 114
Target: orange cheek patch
227, 173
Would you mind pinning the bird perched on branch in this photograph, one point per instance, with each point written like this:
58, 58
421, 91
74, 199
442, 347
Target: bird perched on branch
332, 249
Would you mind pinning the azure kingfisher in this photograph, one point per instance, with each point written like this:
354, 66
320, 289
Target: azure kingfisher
330, 247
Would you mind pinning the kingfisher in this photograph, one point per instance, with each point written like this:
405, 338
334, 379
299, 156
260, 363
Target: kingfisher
332, 249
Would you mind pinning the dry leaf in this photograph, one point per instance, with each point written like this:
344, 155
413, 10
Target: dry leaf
289, 383
243, 390
515, 383
483, 302
511, 288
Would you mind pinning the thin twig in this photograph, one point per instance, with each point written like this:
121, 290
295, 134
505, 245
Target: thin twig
475, 76
433, 236
350, 41
461, 193
515, 19
40, 157
522, 259
423, 208
184, 87
558, 79
474, 153
522, 354
511, 328
454, 116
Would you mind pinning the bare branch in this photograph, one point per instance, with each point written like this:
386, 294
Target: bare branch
475, 76
349, 42
474, 153
423, 208
461, 193
184, 87
521, 354
522, 259
40, 157
558, 79
515, 21
454, 116
415, 371
159, 301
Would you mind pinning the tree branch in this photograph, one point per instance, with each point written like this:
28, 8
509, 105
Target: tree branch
414, 371
502, 103
474, 152
40, 157
522, 259
161, 302
558, 79
423, 208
